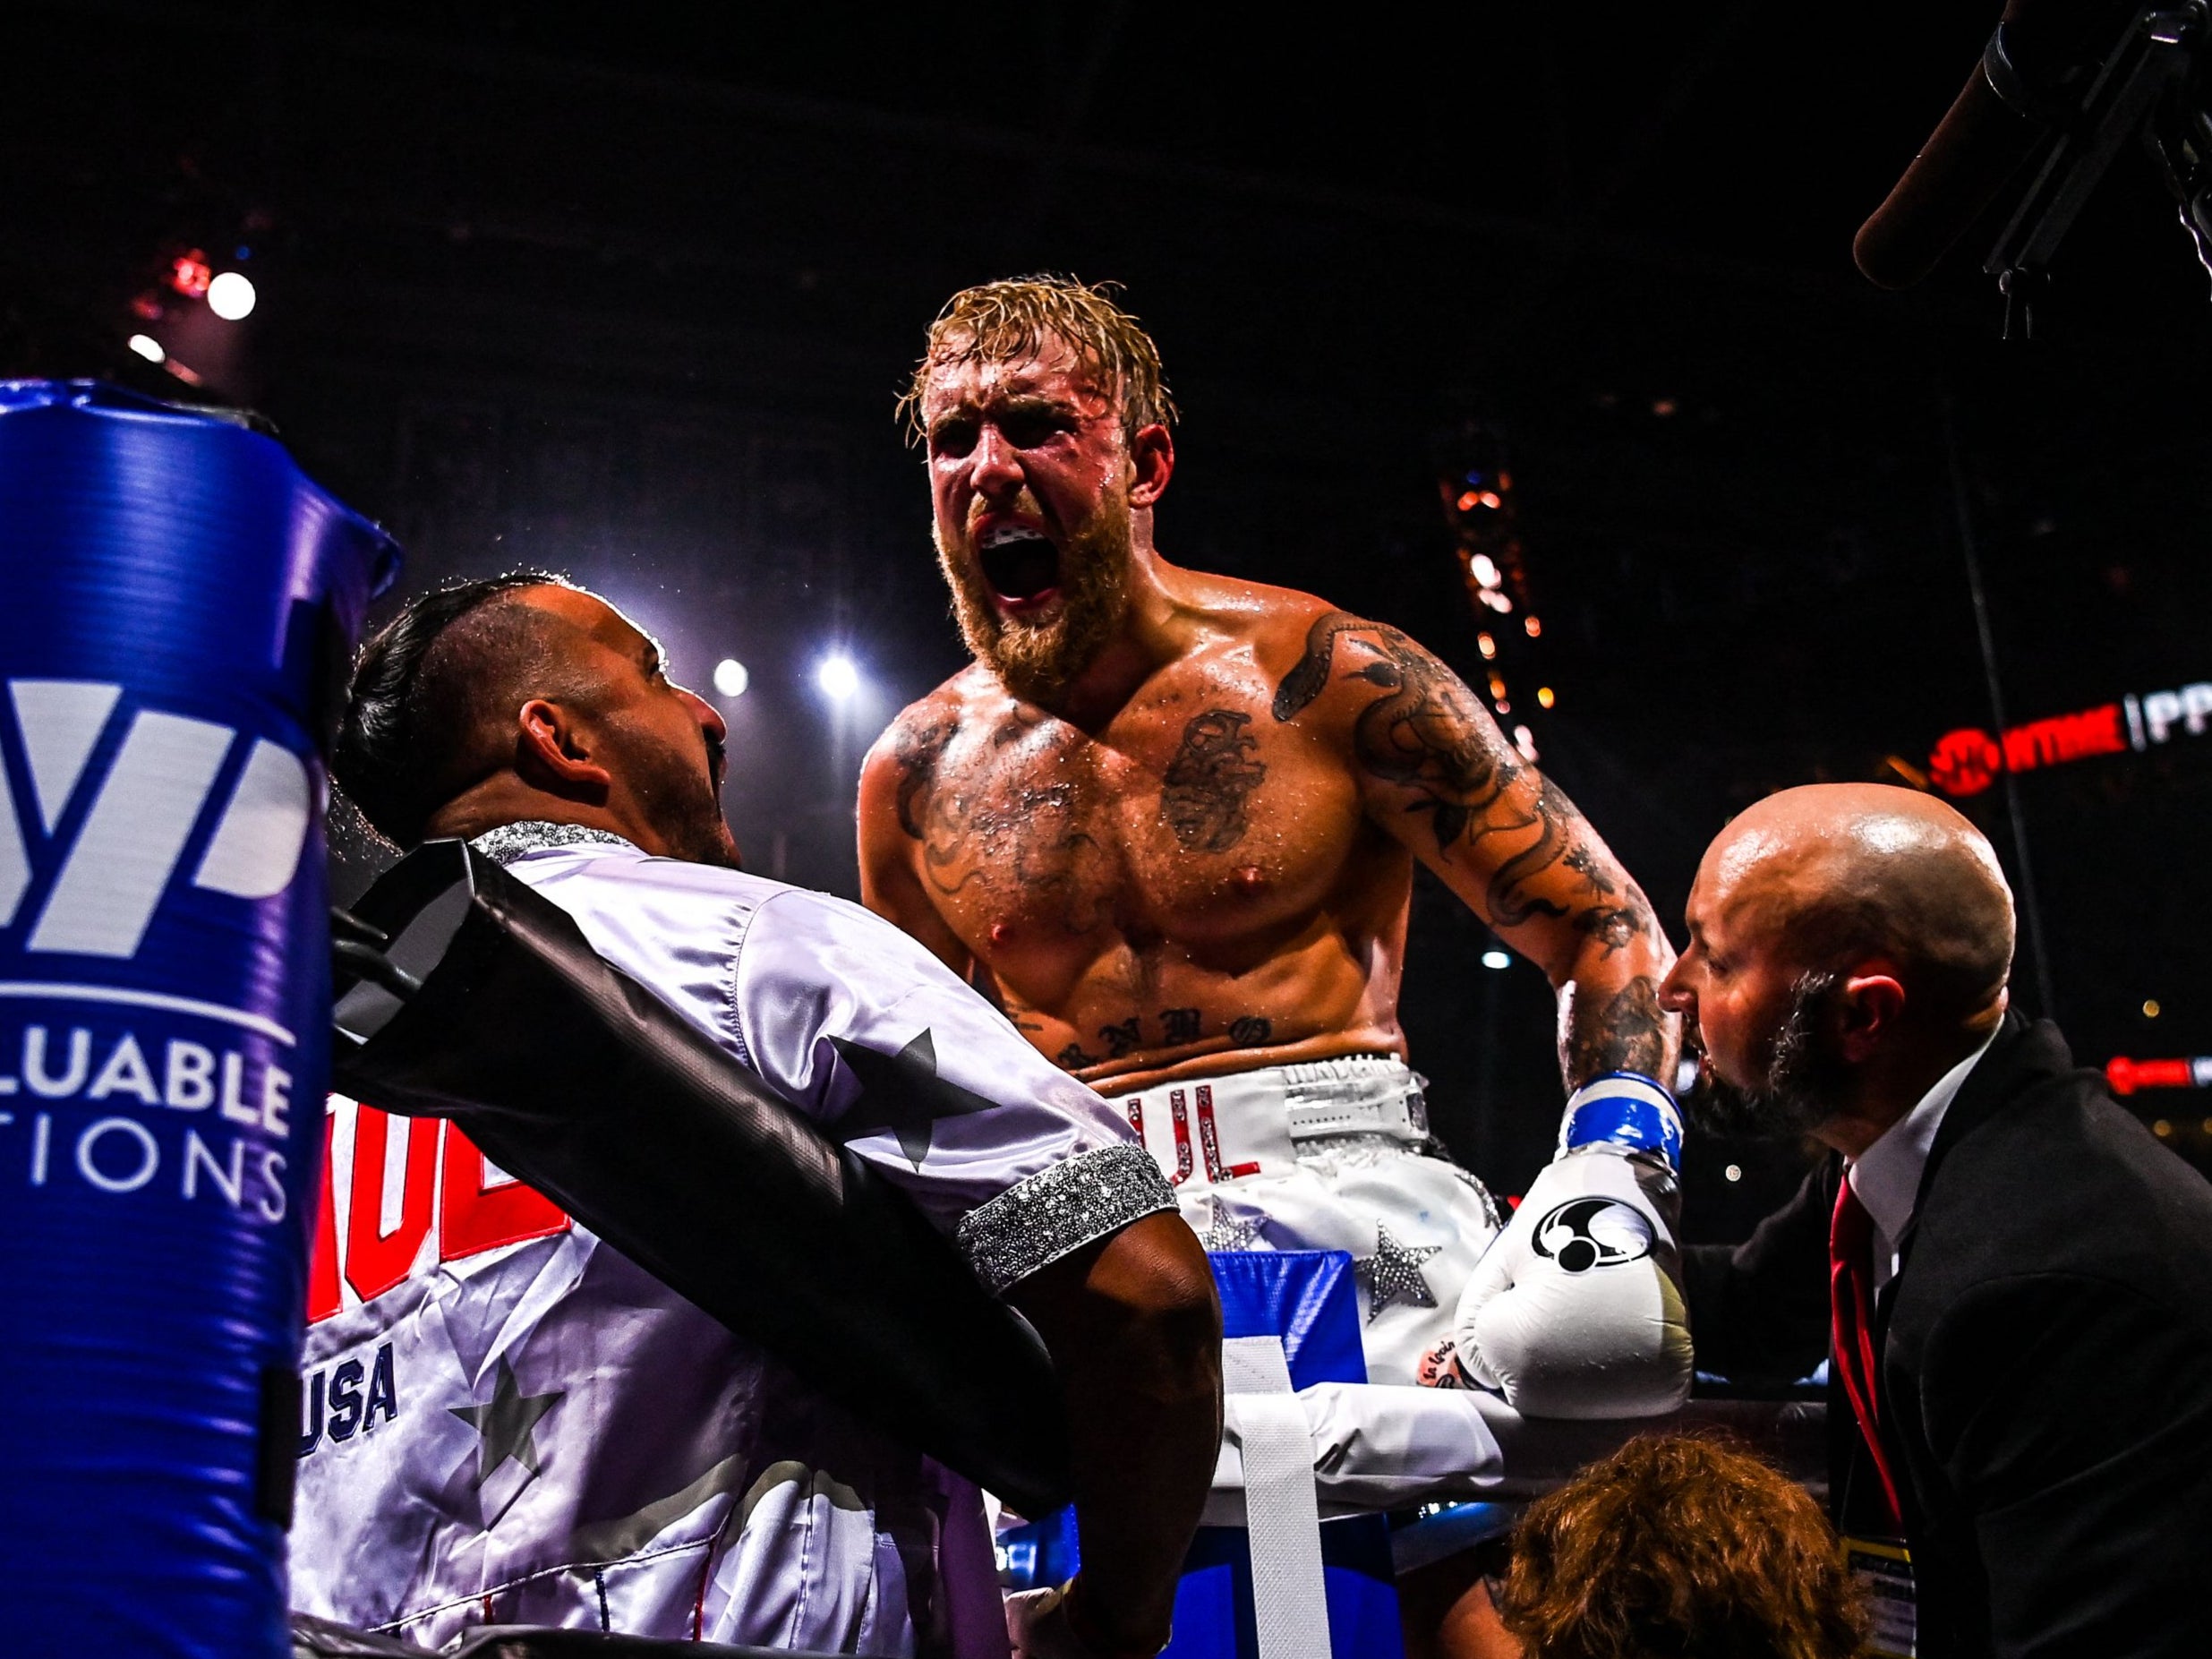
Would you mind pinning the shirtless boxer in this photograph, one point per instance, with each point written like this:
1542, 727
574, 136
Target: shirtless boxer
1168, 821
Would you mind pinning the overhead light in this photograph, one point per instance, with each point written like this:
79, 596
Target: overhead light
1525, 741
1496, 959
837, 677
230, 295
146, 347
189, 274
1544, 700
731, 678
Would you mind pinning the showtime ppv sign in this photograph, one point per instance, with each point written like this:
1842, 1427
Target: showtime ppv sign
1967, 761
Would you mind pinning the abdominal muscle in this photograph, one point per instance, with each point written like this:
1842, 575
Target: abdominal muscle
1138, 1014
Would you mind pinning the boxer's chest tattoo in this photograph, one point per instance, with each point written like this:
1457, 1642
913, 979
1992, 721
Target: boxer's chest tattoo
1001, 826
1209, 778
1033, 821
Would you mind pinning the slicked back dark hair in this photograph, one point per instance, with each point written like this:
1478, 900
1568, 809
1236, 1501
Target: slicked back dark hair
409, 714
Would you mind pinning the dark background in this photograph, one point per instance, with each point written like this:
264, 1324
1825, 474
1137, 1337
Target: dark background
629, 293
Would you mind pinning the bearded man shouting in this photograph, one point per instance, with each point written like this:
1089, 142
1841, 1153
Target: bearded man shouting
1167, 821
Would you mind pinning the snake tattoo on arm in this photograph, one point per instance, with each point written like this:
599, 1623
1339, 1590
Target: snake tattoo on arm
1424, 732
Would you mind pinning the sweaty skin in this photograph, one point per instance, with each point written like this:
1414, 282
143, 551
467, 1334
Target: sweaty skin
1201, 858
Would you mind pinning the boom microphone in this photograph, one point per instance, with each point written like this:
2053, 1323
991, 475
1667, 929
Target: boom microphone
2020, 96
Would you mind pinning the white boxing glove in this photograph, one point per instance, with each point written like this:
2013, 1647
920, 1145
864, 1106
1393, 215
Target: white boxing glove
1576, 1310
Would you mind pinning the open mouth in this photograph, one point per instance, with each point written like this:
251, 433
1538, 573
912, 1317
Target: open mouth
1021, 565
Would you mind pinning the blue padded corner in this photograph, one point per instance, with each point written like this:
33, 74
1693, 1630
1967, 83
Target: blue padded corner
1308, 1298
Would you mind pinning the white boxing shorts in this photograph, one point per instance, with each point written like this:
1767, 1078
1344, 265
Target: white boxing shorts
1329, 1155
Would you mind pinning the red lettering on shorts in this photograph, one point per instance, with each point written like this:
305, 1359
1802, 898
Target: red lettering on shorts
1210, 1140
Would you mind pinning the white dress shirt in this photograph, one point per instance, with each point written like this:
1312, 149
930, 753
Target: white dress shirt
1886, 1175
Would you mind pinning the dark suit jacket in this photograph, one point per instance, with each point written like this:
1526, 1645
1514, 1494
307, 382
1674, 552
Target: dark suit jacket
2046, 1364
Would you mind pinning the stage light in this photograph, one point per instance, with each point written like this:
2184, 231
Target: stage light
1496, 959
1544, 700
1489, 645
1485, 569
837, 677
189, 274
1663, 407
146, 347
1497, 685
1734, 1172
2162, 1129
1468, 501
1525, 741
2150, 1009
1534, 629
731, 678
231, 296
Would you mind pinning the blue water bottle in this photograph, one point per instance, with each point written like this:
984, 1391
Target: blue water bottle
178, 604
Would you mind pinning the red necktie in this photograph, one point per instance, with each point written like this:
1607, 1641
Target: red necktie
1851, 1281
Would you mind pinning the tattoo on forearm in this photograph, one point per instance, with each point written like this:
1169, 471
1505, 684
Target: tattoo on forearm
1209, 780
1627, 1034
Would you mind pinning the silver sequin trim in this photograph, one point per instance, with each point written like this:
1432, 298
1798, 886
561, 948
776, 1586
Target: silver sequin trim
510, 841
1061, 1210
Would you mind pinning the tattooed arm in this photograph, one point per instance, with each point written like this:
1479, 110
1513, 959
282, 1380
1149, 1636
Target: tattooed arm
1435, 771
896, 780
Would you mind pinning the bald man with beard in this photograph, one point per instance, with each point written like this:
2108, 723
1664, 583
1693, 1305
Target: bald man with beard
2011, 1279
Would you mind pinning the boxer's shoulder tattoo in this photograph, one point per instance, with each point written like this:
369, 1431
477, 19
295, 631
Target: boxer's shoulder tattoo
1250, 1031
1425, 733
918, 748
1179, 1026
1627, 1034
1073, 1058
1208, 779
